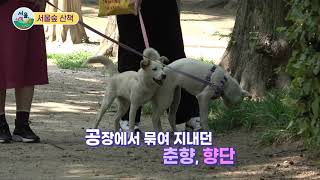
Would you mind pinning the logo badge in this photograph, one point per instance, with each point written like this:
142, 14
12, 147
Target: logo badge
23, 18
64, 18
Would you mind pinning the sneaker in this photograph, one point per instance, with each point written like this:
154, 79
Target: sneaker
193, 124
5, 135
124, 126
25, 134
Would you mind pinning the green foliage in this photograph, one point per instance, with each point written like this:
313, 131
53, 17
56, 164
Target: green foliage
304, 66
222, 35
271, 114
229, 36
147, 109
71, 61
206, 60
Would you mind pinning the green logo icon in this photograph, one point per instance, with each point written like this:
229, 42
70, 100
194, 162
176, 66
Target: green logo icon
23, 18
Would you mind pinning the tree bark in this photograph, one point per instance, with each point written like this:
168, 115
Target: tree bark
61, 33
232, 4
107, 47
256, 49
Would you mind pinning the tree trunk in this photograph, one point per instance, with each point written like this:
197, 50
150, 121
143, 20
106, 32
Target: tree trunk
61, 33
256, 49
107, 47
232, 4
179, 5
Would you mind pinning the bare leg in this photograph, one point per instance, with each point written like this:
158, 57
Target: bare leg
2, 101
22, 131
24, 98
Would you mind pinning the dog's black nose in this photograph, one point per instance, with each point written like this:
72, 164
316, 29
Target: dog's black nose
164, 76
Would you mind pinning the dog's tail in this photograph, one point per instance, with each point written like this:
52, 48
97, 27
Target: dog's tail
113, 69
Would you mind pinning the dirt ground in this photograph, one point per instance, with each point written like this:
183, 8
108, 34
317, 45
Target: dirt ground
67, 106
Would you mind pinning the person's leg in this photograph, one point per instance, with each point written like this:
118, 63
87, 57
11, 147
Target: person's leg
129, 34
124, 122
2, 101
22, 131
188, 107
188, 112
164, 29
5, 135
24, 97
165, 35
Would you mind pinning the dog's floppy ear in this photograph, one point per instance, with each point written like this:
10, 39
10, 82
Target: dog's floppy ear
245, 93
144, 63
163, 59
150, 53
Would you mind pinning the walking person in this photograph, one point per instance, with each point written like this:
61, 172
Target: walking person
23, 65
162, 22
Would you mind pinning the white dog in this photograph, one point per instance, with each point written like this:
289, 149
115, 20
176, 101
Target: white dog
131, 88
168, 95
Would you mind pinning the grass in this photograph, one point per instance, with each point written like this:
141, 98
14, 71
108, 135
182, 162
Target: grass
271, 115
206, 60
147, 109
75, 60
71, 61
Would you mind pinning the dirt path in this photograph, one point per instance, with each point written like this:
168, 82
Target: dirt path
65, 108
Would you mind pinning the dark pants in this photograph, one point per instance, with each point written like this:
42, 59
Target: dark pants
162, 21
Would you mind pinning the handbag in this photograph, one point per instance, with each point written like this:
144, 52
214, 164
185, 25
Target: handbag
118, 7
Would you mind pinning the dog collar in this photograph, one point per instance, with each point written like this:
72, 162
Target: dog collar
220, 86
208, 78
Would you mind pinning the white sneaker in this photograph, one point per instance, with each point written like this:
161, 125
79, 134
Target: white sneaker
124, 126
193, 124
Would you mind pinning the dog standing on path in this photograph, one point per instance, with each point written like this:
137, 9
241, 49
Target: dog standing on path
131, 89
168, 95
